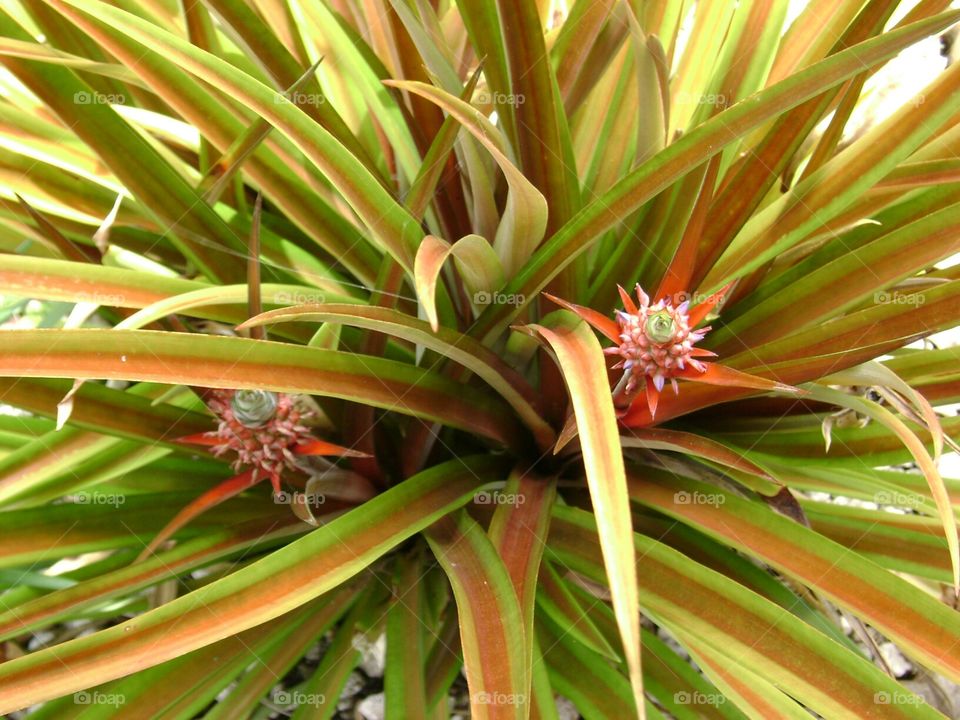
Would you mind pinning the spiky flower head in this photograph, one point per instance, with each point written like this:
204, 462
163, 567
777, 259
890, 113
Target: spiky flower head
656, 342
262, 428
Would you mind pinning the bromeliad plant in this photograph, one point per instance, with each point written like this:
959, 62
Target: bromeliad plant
449, 191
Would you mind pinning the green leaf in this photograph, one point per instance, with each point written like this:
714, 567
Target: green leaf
556, 600
491, 626
921, 626
518, 531
463, 349
265, 589
688, 598
227, 362
187, 555
275, 659
920, 454
748, 689
829, 190
135, 162
394, 227
403, 682
583, 366
525, 215
690, 151
478, 264
126, 414
692, 444
542, 137
578, 673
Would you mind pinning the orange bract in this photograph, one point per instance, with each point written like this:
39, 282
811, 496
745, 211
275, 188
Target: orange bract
655, 343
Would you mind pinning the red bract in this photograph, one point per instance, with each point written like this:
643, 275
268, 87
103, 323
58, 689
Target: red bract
267, 438
655, 343
266, 432
268, 448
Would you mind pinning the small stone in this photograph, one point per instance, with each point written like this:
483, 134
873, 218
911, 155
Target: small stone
566, 710
353, 685
898, 664
374, 657
371, 707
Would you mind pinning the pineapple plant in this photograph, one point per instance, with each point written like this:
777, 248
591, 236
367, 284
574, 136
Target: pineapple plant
585, 348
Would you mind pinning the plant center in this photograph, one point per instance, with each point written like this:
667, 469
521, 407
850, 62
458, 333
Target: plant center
254, 408
660, 327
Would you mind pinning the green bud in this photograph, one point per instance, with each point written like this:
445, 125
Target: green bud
660, 327
253, 408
